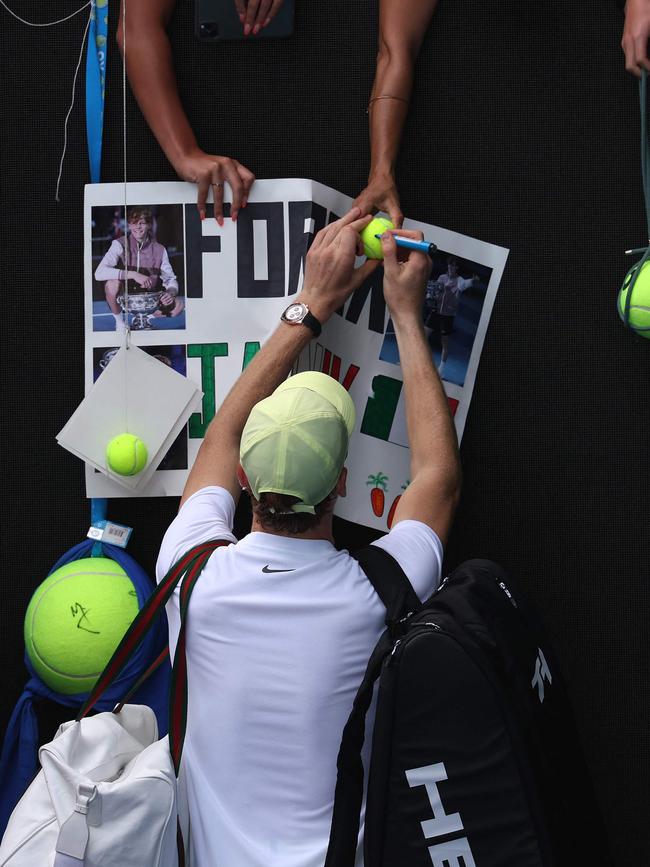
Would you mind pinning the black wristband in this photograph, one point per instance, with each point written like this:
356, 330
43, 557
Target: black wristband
311, 322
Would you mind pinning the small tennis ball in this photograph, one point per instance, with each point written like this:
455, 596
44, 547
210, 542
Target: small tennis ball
126, 455
639, 313
75, 620
371, 245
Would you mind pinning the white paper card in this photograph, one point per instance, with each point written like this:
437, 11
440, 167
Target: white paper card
135, 394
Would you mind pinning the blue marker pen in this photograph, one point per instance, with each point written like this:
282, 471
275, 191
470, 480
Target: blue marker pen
409, 244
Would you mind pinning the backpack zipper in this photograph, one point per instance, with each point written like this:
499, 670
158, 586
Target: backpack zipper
406, 637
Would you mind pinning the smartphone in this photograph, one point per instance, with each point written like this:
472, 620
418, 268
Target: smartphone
217, 20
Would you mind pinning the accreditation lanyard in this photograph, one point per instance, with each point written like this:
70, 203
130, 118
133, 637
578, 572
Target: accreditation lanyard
95, 84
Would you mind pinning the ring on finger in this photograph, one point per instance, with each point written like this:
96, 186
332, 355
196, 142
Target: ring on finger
216, 184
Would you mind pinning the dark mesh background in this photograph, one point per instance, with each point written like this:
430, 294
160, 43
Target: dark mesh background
523, 132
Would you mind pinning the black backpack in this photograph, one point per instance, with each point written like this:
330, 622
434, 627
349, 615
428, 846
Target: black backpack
475, 756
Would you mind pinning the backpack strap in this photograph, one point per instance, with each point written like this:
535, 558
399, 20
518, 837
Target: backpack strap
400, 600
390, 583
348, 797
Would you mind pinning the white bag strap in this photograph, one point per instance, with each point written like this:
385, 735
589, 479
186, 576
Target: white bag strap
73, 836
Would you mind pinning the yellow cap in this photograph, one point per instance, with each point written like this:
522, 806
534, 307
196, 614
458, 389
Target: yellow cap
295, 441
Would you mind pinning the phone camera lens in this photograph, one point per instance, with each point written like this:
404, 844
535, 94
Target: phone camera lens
209, 30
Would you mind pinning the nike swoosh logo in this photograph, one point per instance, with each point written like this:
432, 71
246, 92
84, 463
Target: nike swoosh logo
267, 570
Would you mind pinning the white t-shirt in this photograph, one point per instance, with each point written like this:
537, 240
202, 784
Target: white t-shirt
279, 634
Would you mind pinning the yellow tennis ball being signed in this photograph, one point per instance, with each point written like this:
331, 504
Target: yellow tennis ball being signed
126, 455
75, 620
371, 244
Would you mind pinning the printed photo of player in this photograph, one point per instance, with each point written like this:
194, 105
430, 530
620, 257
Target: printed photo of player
139, 259
452, 310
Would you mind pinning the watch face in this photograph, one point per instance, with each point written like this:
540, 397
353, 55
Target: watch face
294, 313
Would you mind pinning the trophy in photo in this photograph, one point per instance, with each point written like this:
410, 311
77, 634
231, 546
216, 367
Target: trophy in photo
140, 306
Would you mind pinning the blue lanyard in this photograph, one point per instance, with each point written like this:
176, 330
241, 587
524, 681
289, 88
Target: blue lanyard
95, 86
95, 83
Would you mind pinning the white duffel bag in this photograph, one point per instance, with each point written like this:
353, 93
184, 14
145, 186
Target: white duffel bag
104, 779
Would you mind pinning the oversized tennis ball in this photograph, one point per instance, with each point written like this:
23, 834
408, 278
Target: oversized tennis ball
639, 314
126, 455
372, 245
75, 620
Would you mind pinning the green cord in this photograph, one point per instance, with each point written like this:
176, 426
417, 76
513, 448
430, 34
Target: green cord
645, 174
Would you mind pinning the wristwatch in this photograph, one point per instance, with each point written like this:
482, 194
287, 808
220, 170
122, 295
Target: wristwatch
298, 314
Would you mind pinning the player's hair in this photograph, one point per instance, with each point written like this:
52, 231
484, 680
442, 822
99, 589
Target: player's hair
452, 260
273, 511
135, 214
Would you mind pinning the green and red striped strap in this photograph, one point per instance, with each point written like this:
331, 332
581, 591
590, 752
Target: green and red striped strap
158, 661
178, 686
190, 564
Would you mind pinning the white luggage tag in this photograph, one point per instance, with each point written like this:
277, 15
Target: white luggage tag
72, 841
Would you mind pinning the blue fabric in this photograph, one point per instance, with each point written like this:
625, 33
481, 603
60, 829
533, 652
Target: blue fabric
95, 84
19, 759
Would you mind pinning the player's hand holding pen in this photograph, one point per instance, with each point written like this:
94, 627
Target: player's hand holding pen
405, 276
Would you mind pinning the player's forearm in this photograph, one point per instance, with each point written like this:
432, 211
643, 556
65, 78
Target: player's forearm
218, 457
431, 432
151, 74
